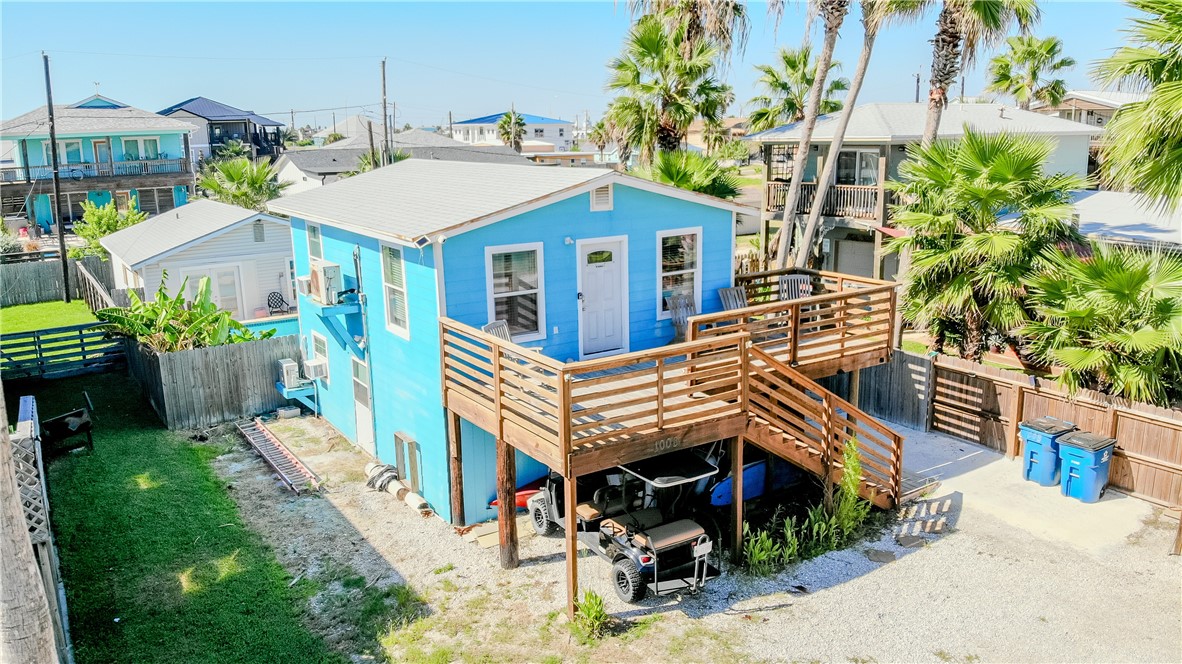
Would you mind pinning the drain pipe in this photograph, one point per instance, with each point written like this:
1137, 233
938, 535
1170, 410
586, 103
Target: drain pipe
383, 477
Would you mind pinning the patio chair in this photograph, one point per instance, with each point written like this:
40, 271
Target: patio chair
499, 329
733, 298
795, 286
681, 307
276, 303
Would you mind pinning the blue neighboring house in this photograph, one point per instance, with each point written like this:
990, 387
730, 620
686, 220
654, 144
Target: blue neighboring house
107, 151
576, 261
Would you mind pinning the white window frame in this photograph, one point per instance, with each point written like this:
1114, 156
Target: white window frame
539, 132
661, 235
61, 151
319, 241
363, 381
490, 297
139, 141
402, 331
327, 366
611, 198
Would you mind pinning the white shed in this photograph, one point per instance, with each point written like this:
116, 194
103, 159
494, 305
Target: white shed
246, 254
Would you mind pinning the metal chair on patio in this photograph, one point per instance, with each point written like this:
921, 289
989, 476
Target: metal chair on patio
277, 304
795, 286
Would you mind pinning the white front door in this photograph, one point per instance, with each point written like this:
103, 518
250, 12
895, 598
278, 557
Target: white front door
224, 288
602, 300
362, 412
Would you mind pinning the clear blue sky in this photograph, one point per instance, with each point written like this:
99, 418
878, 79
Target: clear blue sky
473, 59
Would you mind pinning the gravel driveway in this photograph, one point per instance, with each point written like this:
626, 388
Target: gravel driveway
995, 569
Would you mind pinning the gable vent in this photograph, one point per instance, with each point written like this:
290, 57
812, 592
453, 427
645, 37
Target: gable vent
601, 198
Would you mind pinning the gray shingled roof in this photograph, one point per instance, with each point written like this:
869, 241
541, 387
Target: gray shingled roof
902, 123
75, 121
417, 197
176, 228
325, 161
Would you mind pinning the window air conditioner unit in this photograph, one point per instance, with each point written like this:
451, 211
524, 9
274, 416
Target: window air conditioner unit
289, 372
316, 368
325, 281
304, 285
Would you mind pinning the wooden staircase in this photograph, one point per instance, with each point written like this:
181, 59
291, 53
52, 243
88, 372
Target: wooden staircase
793, 417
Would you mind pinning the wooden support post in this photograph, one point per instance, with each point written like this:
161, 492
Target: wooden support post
456, 452
1013, 444
570, 490
855, 387
880, 194
507, 497
737, 501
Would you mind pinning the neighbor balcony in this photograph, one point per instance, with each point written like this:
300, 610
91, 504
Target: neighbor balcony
76, 172
866, 202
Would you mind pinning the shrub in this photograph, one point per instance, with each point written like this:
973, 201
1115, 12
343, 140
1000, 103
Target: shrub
818, 533
10, 244
790, 549
761, 553
591, 616
849, 510
100, 221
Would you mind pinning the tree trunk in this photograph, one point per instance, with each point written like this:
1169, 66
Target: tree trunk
974, 335
810, 229
26, 628
834, 12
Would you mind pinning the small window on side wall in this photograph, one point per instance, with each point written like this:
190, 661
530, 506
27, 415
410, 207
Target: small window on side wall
601, 198
394, 284
315, 248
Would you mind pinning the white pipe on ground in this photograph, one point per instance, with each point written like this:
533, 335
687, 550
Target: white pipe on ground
397, 488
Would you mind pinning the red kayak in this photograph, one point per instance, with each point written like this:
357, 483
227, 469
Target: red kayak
524, 493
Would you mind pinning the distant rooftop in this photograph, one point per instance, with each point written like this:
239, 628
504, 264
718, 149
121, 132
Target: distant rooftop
1102, 97
218, 112
904, 122
495, 117
95, 114
1119, 216
168, 231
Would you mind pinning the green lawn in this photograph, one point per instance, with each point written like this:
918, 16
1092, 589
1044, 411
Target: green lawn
158, 566
28, 317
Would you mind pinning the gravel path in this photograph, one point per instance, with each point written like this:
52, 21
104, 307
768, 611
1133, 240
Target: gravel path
997, 570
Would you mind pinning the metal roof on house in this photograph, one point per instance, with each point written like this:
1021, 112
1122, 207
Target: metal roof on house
72, 121
1118, 216
177, 228
218, 112
417, 198
324, 161
496, 117
904, 122
1101, 97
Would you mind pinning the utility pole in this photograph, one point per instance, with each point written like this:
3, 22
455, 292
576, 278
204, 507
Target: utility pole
293, 127
334, 123
917, 75
450, 131
57, 185
385, 118
373, 153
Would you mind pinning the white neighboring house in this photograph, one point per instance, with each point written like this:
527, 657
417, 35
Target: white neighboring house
246, 254
538, 129
1091, 107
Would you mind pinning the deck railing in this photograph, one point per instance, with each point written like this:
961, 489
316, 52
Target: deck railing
95, 170
841, 200
848, 316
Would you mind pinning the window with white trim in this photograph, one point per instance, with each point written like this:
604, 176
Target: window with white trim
679, 267
360, 382
539, 132
601, 198
320, 351
315, 248
68, 152
135, 149
516, 289
394, 285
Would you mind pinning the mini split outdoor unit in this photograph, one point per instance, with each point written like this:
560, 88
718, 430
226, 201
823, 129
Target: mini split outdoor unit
325, 281
289, 372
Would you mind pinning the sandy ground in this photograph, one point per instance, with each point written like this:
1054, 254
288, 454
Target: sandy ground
994, 569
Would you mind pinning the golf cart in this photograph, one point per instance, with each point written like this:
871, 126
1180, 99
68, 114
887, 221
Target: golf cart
632, 517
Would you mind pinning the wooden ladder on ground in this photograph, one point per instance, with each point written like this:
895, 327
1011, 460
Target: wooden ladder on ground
793, 417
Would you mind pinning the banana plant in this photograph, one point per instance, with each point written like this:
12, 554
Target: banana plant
170, 322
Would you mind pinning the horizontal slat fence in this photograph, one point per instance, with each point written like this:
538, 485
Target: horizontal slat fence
59, 352
984, 405
204, 387
41, 281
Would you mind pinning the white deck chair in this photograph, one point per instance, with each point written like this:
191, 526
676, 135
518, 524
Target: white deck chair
733, 298
681, 307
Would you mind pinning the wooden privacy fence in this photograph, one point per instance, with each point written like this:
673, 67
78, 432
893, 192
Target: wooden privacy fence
59, 352
984, 405
98, 296
41, 281
204, 387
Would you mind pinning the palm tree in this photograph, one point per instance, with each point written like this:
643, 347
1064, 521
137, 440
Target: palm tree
368, 161
1025, 71
786, 86
722, 23
832, 13
692, 171
963, 28
333, 137
1112, 321
875, 13
600, 136
511, 129
242, 182
231, 149
980, 214
1142, 148
662, 91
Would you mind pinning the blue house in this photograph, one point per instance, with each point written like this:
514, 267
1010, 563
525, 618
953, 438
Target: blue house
107, 151
577, 262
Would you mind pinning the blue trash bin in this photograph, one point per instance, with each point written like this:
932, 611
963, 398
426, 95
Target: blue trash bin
1086, 458
1040, 449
